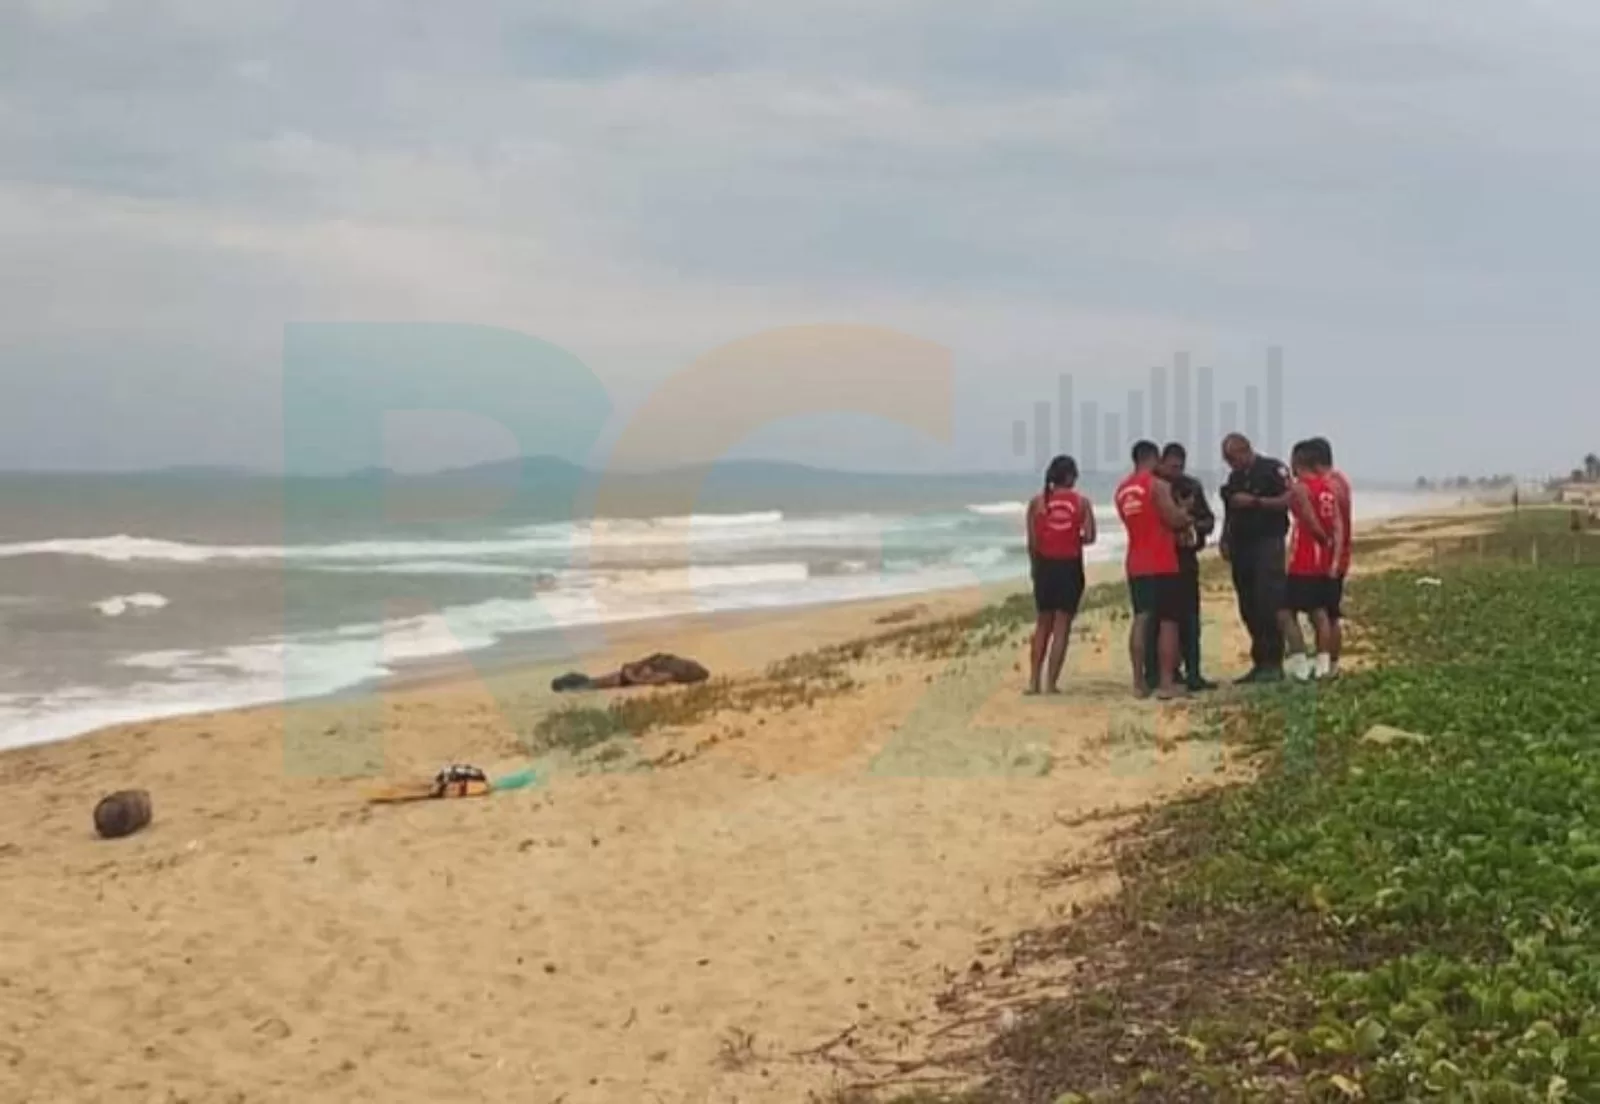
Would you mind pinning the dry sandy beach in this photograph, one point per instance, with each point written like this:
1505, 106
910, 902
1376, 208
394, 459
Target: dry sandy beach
673, 934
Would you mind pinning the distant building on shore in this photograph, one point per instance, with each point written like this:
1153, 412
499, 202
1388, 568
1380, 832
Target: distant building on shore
1583, 495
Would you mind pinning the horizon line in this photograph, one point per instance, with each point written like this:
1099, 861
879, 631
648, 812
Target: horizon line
243, 472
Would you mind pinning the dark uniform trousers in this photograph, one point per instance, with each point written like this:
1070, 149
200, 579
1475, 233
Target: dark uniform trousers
1260, 580
1188, 628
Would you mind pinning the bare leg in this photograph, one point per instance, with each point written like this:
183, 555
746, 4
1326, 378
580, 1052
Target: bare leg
1060, 634
1136, 637
1036, 651
1326, 628
1167, 650
1295, 662
1294, 642
1335, 640
1322, 625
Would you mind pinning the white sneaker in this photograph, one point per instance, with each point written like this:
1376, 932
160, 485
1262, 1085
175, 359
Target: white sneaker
1298, 667
1324, 665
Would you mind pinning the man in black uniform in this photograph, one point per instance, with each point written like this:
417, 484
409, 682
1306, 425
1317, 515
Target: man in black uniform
1255, 523
1189, 494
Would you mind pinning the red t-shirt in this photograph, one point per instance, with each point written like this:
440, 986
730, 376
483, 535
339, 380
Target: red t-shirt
1307, 554
1058, 520
1152, 547
1341, 552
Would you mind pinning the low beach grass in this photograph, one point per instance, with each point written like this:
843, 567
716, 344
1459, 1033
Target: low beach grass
1411, 918
806, 679
800, 681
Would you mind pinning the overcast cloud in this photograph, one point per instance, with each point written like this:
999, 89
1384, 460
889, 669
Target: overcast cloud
1398, 194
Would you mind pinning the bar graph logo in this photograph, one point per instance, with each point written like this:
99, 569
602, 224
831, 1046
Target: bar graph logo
1179, 404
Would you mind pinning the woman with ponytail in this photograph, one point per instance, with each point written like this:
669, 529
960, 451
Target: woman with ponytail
1060, 526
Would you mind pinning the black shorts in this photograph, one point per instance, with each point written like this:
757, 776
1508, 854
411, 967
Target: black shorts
1057, 586
1313, 593
1161, 596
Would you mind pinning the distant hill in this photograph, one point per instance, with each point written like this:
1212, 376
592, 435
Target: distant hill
538, 488
232, 505
201, 471
767, 473
540, 483
743, 478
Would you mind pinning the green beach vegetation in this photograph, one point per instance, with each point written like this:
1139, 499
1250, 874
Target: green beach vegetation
1411, 917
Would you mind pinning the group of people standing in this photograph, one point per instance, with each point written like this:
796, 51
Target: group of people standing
1286, 535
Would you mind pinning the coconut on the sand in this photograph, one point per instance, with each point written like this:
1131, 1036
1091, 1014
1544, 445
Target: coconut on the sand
122, 813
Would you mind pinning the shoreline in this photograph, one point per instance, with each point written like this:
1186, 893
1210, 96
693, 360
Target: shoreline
599, 646
604, 646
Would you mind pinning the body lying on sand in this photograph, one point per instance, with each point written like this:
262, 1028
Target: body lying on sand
660, 669
1286, 535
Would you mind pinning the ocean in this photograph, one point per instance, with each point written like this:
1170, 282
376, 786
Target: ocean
136, 599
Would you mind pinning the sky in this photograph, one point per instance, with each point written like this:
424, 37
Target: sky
737, 210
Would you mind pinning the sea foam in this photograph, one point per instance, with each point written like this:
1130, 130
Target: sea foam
121, 604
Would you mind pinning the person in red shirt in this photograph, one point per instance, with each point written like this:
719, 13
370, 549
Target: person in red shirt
1060, 526
1313, 559
1328, 662
1153, 520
